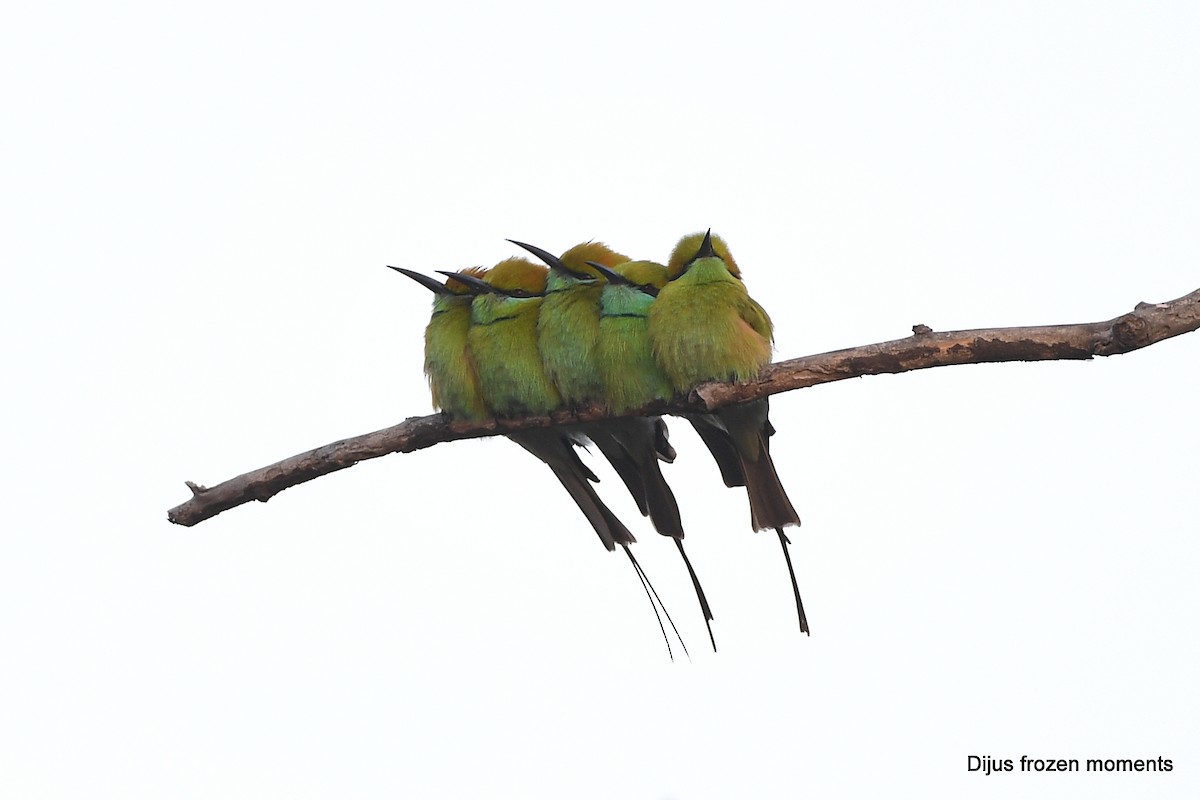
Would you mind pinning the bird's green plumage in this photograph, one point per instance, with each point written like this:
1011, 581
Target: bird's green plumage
568, 336
503, 342
705, 327
624, 358
569, 326
497, 332
631, 378
453, 379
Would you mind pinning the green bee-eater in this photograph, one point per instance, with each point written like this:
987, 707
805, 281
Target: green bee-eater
453, 379
628, 371
502, 342
481, 360
570, 339
705, 327
568, 330
631, 379
569, 325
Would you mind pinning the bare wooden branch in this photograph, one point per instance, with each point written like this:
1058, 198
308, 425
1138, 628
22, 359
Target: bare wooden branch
1146, 324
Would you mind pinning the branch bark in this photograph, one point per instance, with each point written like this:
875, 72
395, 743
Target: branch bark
1146, 324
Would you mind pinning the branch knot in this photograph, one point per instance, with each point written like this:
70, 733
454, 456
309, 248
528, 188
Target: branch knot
1131, 332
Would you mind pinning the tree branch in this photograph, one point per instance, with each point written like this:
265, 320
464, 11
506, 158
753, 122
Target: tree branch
1146, 324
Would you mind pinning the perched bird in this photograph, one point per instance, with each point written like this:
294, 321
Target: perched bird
632, 379
630, 375
569, 325
453, 379
570, 341
705, 327
502, 345
568, 331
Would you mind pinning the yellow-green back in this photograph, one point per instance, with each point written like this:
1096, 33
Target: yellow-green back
569, 326
503, 341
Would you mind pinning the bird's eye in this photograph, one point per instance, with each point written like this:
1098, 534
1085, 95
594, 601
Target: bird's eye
519, 293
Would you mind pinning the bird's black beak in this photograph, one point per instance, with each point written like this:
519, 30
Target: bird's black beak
609, 275
706, 247
429, 283
474, 285
552, 261
618, 279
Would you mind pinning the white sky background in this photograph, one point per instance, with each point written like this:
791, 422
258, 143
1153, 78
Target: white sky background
996, 560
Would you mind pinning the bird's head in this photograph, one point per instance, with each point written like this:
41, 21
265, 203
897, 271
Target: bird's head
697, 246
572, 266
578, 257
455, 286
517, 277
647, 276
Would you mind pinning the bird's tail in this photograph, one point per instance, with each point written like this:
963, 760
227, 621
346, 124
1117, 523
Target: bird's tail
749, 429
770, 508
636, 440
784, 542
639, 437
712, 432
556, 451
622, 461
704, 607
652, 595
